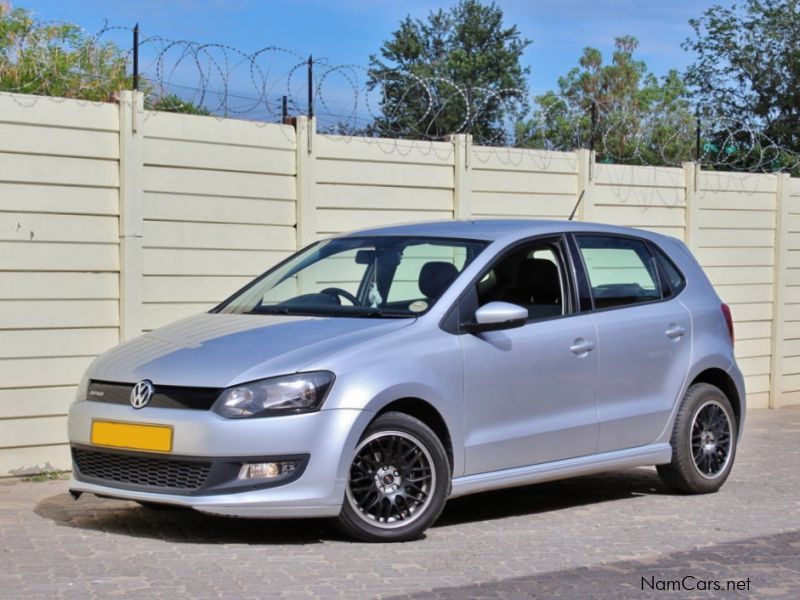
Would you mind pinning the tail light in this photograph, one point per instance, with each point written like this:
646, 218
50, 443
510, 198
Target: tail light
726, 311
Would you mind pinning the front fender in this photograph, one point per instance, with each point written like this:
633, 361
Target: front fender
411, 363
375, 402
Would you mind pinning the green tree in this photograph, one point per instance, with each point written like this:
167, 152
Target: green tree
746, 78
61, 60
56, 59
174, 103
457, 71
641, 119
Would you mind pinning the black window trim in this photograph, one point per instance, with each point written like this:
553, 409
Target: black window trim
649, 244
451, 322
657, 251
584, 288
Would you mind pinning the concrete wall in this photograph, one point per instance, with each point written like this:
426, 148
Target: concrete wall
734, 221
786, 338
59, 266
365, 182
115, 220
218, 207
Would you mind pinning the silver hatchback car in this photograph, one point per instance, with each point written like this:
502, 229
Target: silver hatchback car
372, 376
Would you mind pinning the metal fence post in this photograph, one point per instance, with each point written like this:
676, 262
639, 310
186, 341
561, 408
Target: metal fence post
697, 147
592, 154
136, 57
310, 87
312, 122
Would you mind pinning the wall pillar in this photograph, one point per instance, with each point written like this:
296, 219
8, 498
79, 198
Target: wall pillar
306, 198
462, 191
691, 174
131, 221
778, 291
586, 175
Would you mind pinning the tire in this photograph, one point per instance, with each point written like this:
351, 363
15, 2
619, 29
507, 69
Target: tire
702, 455
381, 503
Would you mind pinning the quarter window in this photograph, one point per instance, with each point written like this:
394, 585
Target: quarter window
621, 270
672, 278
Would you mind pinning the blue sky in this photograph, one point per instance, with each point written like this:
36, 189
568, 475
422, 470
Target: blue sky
348, 31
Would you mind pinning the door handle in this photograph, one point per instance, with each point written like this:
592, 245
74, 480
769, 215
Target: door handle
675, 332
581, 347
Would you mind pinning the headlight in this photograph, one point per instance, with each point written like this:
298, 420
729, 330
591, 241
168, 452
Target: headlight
291, 394
82, 392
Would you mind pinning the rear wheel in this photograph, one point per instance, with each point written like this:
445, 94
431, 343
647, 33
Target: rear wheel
703, 442
398, 481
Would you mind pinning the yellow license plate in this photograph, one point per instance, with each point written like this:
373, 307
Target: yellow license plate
134, 436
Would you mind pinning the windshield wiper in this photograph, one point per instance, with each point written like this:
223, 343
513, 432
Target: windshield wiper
311, 312
385, 312
277, 310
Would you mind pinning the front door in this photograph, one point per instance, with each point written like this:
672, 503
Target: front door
530, 392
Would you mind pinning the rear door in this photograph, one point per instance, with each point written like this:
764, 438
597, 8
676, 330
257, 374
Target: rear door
644, 338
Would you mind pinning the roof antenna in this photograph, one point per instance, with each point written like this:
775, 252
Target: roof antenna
577, 204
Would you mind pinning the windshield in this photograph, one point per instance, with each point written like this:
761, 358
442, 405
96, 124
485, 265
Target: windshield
387, 276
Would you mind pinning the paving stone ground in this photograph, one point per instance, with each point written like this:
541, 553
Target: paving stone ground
590, 537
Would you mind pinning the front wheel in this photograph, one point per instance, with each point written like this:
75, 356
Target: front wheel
703, 442
398, 482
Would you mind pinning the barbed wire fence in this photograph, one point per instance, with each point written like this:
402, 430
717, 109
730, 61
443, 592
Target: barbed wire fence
273, 83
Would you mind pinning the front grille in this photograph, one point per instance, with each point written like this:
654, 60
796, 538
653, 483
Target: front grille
164, 396
140, 471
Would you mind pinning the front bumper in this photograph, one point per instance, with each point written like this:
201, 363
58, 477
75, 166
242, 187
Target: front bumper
327, 438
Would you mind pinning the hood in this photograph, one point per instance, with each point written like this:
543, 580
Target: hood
219, 350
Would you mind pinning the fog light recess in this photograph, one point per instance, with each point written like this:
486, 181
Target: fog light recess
267, 470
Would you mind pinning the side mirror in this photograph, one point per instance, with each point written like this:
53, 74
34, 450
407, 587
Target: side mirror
365, 257
497, 315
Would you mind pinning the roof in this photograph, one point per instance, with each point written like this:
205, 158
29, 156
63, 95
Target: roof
493, 229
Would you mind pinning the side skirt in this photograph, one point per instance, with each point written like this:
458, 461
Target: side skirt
654, 454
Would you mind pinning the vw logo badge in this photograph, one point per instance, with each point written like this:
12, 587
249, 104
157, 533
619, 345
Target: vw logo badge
141, 394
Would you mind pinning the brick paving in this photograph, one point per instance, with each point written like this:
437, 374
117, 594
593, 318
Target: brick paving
590, 537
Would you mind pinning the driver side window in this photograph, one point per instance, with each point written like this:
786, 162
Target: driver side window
410, 276
533, 277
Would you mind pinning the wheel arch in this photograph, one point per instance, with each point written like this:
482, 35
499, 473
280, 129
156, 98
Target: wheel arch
428, 414
722, 380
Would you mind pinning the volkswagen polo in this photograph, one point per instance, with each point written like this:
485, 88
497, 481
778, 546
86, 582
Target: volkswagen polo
374, 375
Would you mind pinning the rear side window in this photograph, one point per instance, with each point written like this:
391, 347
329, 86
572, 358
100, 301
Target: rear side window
621, 270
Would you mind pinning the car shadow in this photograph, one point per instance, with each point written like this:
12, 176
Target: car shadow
177, 524
183, 525
552, 496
